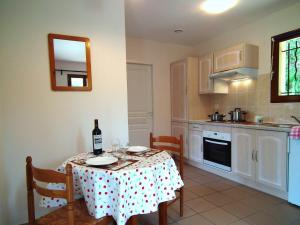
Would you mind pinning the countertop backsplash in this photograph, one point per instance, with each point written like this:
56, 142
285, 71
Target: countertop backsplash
253, 96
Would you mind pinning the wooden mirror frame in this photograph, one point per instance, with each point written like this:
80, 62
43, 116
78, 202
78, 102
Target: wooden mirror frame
54, 87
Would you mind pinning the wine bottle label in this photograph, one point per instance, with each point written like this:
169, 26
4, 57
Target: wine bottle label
97, 142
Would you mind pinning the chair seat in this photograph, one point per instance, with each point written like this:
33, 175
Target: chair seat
81, 216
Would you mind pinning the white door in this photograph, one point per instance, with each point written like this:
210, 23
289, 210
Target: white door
195, 146
243, 150
179, 92
140, 114
177, 130
271, 158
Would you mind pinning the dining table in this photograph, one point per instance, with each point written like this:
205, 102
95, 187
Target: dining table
138, 183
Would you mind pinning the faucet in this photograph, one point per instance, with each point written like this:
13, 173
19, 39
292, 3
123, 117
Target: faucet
297, 119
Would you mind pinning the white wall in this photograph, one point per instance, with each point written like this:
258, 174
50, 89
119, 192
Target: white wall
160, 55
52, 126
258, 33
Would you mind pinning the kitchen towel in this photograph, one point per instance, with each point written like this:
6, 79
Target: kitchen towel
295, 132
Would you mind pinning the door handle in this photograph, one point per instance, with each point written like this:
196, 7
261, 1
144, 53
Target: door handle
216, 142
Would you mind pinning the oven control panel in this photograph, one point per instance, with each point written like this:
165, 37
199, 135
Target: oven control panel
217, 135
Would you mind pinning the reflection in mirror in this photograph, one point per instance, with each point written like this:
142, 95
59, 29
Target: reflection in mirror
70, 63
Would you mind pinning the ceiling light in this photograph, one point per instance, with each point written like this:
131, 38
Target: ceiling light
218, 6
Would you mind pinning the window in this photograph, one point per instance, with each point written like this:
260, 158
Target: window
285, 75
75, 80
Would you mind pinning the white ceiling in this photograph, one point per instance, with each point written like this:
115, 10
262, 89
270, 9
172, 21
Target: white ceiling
66, 50
157, 19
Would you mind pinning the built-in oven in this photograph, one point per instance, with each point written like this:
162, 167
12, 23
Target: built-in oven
217, 149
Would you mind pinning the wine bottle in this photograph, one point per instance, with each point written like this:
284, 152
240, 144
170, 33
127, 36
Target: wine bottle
97, 139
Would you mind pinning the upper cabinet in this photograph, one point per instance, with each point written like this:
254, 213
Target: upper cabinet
242, 55
207, 85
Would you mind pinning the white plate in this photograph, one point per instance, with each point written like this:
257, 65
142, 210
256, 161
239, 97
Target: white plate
101, 161
137, 149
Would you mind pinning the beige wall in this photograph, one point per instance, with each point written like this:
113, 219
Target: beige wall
51, 126
255, 97
160, 55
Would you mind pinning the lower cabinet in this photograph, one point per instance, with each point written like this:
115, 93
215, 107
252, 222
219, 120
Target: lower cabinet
195, 146
243, 147
178, 128
261, 156
271, 158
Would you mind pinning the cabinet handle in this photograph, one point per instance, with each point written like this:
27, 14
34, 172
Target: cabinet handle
256, 157
252, 155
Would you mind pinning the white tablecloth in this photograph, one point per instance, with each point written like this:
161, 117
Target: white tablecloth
135, 189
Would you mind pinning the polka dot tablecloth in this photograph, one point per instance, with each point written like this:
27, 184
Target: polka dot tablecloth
135, 189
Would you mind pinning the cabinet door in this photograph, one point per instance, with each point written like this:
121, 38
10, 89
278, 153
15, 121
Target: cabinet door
178, 91
271, 158
177, 130
243, 145
230, 58
195, 146
206, 85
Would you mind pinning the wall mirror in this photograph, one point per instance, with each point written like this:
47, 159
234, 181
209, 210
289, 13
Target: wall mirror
70, 63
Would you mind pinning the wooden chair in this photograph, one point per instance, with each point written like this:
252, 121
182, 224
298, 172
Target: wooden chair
174, 145
75, 212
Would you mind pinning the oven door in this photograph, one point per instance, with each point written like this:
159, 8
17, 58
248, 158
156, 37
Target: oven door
217, 153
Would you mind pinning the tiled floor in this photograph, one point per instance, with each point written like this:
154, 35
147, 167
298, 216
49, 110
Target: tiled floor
213, 200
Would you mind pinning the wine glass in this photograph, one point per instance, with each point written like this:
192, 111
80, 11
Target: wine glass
115, 144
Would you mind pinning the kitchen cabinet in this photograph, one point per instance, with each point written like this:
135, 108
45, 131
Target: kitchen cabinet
178, 128
261, 156
207, 85
243, 146
195, 143
271, 157
242, 55
179, 91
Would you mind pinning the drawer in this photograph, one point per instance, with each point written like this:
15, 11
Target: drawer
196, 126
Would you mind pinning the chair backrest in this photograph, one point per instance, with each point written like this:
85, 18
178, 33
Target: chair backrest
169, 143
34, 174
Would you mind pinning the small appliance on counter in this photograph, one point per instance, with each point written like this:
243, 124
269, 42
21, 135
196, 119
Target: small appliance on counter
216, 116
237, 115
294, 167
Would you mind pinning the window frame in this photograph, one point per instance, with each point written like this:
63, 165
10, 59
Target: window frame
275, 40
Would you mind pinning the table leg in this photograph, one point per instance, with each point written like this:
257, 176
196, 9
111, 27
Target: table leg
132, 221
163, 213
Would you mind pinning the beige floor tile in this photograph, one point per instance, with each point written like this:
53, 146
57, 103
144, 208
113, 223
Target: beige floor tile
261, 218
195, 220
239, 210
188, 195
219, 216
258, 203
201, 190
173, 213
200, 205
296, 222
218, 199
189, 183
240, 222
238, 193
202, 179
220, 185
284, 212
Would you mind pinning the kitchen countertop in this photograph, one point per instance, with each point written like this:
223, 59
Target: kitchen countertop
249, 125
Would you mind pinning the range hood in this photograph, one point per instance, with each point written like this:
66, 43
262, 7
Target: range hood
235, 74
